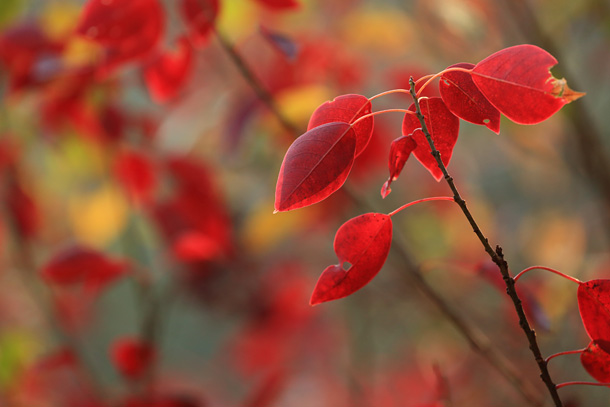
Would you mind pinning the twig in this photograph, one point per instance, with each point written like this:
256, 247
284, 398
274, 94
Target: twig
497, 256
477, 340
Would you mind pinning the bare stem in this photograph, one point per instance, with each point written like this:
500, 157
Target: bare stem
518, 276
566, 352
432, 198
497, 256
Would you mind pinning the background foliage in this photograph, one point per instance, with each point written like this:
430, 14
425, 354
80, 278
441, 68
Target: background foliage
227, 313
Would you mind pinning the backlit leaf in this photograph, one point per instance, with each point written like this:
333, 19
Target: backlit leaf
316, 165
594, 307
166, 75
443, 126
346, 109
400, 151
362, 245
597, 362
517, 81
466, 101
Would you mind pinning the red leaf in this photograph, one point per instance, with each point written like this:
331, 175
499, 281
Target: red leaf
362, 245
132, 357
443, 126
135, 172
280, 4
128, 29
316, 165
346, 109
597, 362
81, 265
466, 101
166, 75
196, 246
200, 15
594, 307
400, 151
518, 82
22, 210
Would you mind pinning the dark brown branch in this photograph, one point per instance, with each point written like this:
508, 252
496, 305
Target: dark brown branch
475, 338
496, 255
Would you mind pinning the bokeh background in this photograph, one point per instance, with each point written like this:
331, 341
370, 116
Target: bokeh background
141, 263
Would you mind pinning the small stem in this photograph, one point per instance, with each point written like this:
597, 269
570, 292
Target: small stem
388, 92
432, 198
381, 111
567, 352
430, 78
518, 276
560, 385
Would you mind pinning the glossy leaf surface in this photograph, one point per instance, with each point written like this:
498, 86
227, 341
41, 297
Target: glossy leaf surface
346, 109
200, 15
400, 151
362, 245
517, 81
594, 307
597, 362
466, 101
443, 126
316, 165
166, 75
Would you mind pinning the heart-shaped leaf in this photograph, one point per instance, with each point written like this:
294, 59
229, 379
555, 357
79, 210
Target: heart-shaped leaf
169, 71
400, 151
594, 306
597, 362
362, 245
316, 165
466, 101
346, 108
444, 128
518, 82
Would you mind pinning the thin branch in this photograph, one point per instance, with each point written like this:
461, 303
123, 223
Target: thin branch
477, 340
497, 256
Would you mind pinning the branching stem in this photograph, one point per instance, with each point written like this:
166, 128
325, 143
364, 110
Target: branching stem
432, 198
497, 256
518, 276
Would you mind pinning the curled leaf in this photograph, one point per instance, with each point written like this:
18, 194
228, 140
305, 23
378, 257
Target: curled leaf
362, 245
517, 81
315, 165
444, 128
400, 151
346, 109
466, 101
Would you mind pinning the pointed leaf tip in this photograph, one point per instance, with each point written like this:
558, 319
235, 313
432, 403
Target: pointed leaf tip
364, 243
316, 165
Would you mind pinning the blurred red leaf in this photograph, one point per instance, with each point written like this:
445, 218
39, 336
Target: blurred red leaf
200, 15
596, 361
362, 245
78, 264
346, 109
169, 71
466, 101
129, 30
280, 4
22, 210
400, 151
196, 246
444, 128
594, 307
135, 171
518, 82
165, 400
132, 356
316, 165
